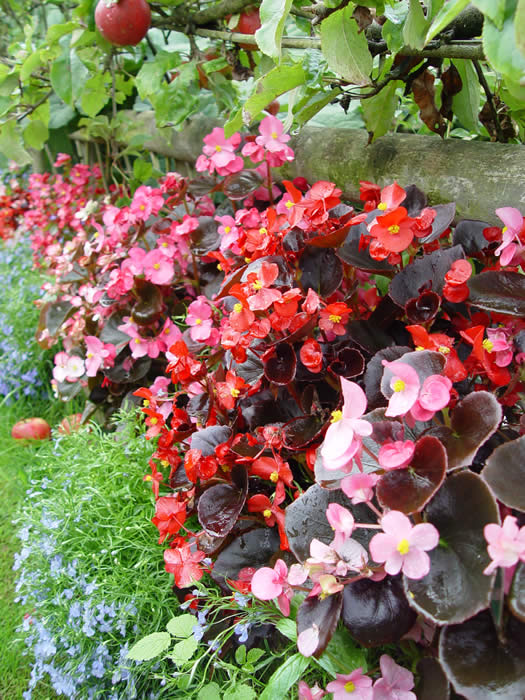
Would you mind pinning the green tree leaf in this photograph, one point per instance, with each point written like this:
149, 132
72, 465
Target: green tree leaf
29, 65
501, 49
36, 134
465, 104
378, 111
95, 95
495, 10
285, 676
184, 650
68, 76
182, 625
254, 655
149, 647
345, 49
273, 15
277, 81
448, 12
415, 26
57, 31
11, 144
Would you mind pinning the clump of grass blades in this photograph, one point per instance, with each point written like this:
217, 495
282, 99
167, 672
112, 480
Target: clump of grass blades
88, 568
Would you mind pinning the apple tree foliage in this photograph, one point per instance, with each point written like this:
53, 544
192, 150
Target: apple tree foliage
443, 60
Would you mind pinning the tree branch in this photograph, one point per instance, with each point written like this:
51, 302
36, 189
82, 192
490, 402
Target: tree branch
31, 109
472, 50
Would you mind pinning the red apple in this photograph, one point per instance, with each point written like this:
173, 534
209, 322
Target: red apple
249, 22
70, 424
124, 22
31, 429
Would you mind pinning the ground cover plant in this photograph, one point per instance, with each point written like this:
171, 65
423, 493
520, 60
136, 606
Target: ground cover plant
87, 575
335, 400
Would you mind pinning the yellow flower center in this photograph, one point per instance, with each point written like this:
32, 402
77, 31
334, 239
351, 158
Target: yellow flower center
145, 403
289, 204
382, 206
504, 229
153, 421
198, 321
336, 416
219, 267
137, 341
235, 393
393, 229
164, 245
274, 134
90, 354
96, 235
218, 149
257, 285
156, 266
274, 476
164, 463
267, 513
148, 477
443, 349
142, 207
237, 308
403, 547
167, 331
398, 385
334, 318
263, 231
349, 687
227, 229
419, 348
488, 345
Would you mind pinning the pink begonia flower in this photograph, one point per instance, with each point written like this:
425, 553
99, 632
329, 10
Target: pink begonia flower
268, 584
169, 334
435, 393
403, 546
166, 246
146, 202
307, 693
396, 682
157, 267
98, 354
74, 368
353, 685
221, 153
513, 221
159, 389
506, 543
327, 559
139, 345
229, 233
134, 263
201, 323
499, 343
359, 487
343, 437
404, 381
59, 370
342, 521
396, 455
273, 141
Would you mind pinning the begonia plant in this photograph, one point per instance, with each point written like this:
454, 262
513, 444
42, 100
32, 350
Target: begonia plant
336, 399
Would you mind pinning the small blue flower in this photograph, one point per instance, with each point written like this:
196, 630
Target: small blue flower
241, 629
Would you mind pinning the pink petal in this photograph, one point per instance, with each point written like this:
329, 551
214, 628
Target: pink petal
397, 676
424, 536
354, 399
308, 640
396, 524
511, 217
264, 584
382, 547
416, 563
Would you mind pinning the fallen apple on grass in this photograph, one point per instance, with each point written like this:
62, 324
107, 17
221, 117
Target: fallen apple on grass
31, 429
